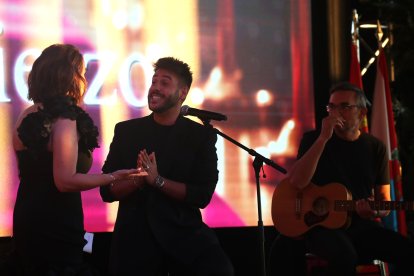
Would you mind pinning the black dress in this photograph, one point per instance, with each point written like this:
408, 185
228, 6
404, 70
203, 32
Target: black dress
47, 224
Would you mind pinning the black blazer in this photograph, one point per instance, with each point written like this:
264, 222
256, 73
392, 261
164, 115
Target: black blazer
186, 153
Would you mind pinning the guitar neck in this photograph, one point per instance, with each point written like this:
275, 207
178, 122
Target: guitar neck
349, 205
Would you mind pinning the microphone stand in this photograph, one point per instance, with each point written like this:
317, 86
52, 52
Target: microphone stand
257, 165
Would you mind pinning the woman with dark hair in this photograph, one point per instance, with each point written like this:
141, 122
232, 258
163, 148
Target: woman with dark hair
53, 140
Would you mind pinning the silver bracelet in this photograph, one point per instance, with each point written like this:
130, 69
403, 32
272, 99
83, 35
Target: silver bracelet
113, 179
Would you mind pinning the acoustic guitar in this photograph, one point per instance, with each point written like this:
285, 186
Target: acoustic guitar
294, 211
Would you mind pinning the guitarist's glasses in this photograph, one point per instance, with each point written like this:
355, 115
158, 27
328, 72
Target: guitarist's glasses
341, 107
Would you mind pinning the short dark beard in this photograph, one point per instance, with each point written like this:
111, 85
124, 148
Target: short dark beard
171, 101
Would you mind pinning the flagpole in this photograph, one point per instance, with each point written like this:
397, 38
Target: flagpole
379, 34
355, 31
391, 41
355, 76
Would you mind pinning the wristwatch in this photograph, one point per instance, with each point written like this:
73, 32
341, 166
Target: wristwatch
159, 181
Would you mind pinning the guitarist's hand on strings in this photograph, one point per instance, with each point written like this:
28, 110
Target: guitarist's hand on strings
364, 210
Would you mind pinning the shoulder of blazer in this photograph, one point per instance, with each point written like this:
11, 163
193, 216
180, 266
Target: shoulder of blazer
197, 131
133, 123
195, 127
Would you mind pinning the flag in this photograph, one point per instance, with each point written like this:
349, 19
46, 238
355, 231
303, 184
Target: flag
382, 126
356, 79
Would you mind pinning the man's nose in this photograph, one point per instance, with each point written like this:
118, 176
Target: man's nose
154, 87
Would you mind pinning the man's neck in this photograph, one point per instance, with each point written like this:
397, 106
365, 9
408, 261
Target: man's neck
166, 118
351, 135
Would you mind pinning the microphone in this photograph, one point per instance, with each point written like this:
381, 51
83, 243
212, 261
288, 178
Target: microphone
202, 114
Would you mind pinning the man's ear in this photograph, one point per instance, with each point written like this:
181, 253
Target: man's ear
183, 93
363, 111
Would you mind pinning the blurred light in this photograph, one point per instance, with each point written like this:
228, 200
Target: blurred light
363, 71
265, 151
23, 66
371, 60
181, 37
216, 75
213, 86
196, 96
154, 51
3, 97
221, 165
136, 17
1, 28
385, 42
106, 7
106, 60
120, 20
263, 97
127, 90
371, 26
281, 145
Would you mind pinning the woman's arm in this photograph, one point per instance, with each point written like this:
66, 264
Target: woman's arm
65, 156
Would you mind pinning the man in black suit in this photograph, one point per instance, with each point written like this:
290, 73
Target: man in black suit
159, 227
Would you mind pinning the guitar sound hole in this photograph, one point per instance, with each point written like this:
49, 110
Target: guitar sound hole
320, 206
319, 212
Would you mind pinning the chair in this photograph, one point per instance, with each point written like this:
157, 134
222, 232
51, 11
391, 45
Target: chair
316, 265
288, 255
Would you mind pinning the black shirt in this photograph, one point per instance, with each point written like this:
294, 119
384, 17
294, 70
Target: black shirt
360, 165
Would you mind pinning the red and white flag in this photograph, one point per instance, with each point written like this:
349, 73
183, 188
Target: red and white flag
382, 126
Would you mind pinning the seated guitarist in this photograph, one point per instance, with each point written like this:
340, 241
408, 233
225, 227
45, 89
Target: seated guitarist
341, 153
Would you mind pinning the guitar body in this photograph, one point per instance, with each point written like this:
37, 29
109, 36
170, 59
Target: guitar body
294, 211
